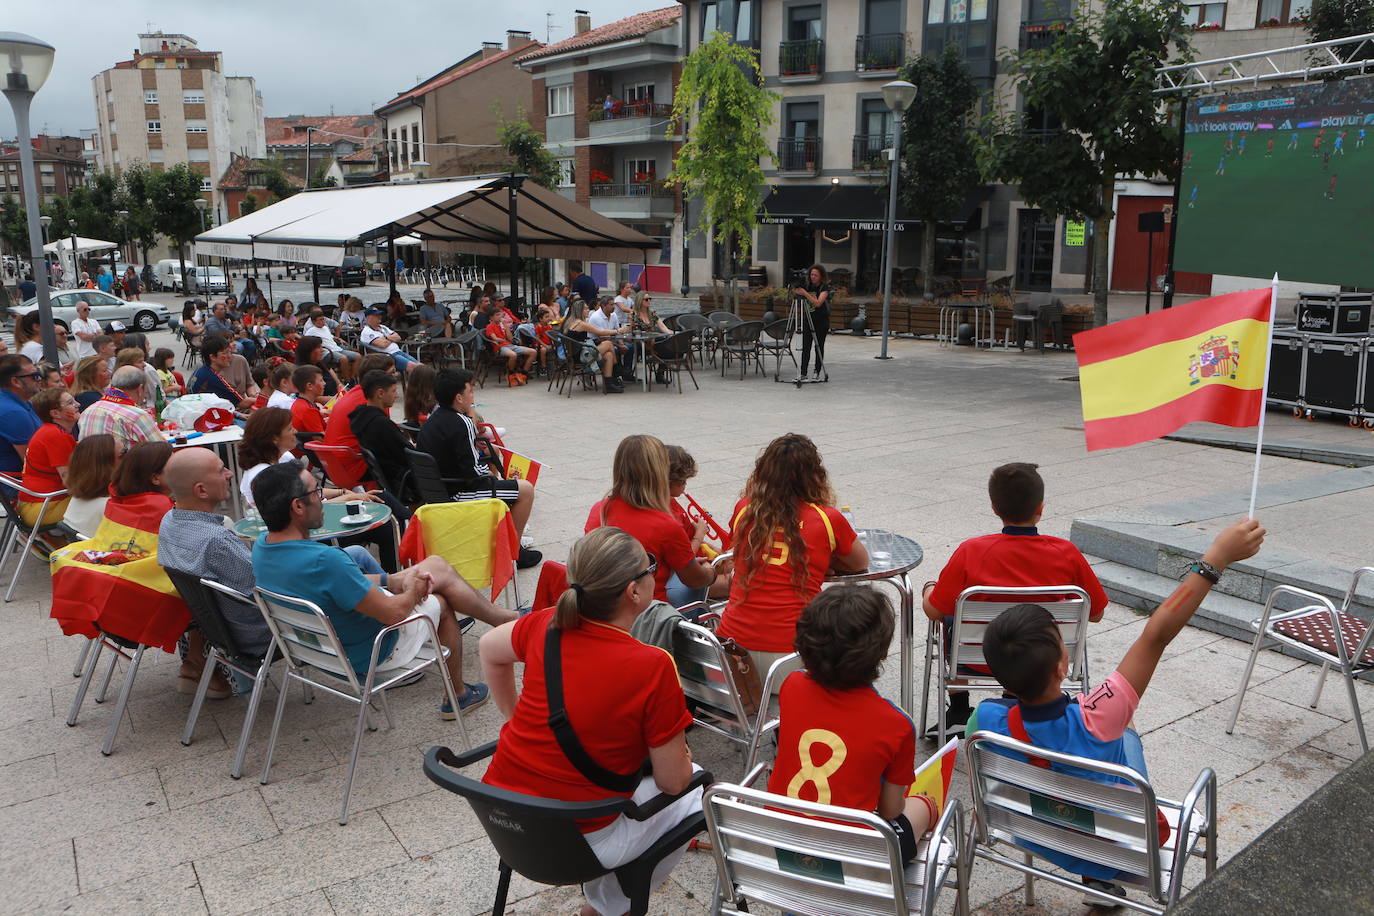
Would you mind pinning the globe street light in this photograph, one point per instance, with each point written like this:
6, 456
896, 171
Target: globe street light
27, 62
898, 96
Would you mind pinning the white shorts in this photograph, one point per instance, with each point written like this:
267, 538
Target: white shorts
410, 639
624, 840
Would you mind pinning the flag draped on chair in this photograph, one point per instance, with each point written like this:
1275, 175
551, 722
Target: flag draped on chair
934, 776
477, 538
1145, 377
113, 583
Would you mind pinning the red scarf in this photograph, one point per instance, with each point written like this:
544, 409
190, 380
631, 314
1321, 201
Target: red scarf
117, 396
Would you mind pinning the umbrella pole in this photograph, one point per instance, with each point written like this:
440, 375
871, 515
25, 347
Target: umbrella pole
391, 258
513, 195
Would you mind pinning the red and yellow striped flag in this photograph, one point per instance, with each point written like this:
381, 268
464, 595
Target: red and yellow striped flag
516, 466
1145, 377
935, 775
476, 537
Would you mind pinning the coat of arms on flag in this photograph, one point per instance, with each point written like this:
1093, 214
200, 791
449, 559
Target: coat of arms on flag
1219, 356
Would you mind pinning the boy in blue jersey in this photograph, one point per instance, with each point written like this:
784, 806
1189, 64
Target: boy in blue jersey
1027, 656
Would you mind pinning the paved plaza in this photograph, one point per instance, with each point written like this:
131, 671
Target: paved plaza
160, 827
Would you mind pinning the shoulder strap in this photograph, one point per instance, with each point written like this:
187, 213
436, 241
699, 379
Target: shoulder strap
562, 729
1018, 731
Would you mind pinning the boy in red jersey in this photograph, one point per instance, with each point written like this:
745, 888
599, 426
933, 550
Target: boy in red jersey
839, 741
1019, 555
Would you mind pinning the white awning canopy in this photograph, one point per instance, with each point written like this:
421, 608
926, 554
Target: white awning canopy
466, 215
83, 245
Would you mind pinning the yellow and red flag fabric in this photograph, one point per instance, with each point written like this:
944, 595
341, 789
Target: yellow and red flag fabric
1144, 377
113, 583
476, 537
516, 466
934, 776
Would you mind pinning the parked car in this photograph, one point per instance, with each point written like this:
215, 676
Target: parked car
167, 274
351, 271
142, 316
206, 280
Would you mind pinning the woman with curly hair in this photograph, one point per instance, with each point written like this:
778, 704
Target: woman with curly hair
787, 536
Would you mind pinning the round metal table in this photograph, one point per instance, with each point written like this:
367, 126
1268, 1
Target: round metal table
642, 339
890, 558
379, 514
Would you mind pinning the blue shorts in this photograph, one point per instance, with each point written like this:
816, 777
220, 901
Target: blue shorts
402, 360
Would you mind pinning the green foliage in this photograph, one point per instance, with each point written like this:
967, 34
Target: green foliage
1332, 19
275, 180
14, 227
725, 110
321, 177
133, 196
526, 147
250, 204
1096, 83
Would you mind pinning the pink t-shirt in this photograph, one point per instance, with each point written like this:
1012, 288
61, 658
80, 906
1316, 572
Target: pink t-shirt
1109, 708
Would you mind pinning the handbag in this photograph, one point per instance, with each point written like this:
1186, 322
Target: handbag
745, 673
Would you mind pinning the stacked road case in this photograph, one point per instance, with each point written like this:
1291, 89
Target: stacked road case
1322, 365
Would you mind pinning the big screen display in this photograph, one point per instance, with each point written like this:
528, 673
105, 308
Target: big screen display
1280, 181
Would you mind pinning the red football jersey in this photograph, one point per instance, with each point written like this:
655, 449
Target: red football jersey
657, 532
1010, 559
339, 431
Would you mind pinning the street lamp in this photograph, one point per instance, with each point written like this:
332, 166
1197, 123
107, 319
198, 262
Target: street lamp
202, 205
898, 96
124, 221
421, 169
27, 63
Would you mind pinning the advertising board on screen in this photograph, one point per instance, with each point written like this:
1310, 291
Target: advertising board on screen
1280, 180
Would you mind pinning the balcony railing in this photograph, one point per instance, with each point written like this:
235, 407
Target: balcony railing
868, 152
799, 154
801, 58
632, 189
1036, 36
879, 52
619, 110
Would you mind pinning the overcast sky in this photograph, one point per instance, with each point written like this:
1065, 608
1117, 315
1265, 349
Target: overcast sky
308, 57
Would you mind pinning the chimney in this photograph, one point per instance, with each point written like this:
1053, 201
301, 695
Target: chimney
582, 21
516, 39
490, 48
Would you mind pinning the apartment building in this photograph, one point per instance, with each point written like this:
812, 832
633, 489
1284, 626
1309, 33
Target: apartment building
602, 98
58, 166
446, 120
172, 103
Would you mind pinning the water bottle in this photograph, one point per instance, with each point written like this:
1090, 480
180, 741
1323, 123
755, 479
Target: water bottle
848, 516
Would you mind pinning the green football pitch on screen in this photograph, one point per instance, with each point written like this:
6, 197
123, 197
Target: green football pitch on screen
1280, 181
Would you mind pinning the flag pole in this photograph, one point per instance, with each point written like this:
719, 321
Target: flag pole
1264, 392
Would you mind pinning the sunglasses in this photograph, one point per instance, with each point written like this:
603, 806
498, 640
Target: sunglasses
649, 571
36, 375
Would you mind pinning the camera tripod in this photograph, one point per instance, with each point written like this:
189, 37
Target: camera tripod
799, 320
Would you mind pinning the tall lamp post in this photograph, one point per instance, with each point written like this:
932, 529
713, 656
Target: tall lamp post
27, 63
124, 240
202, 205
898, 96
421, 169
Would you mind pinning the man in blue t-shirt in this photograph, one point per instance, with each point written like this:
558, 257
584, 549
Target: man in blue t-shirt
18, 383
104, 280
286, 561
582, 284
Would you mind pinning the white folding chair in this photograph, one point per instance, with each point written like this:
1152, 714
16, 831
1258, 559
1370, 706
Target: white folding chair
1114, 822
775, 850
16, 530
1310, 631
1068, 604
306, 638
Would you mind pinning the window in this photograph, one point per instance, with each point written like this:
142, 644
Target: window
205, 185
154, 127
149, 96
395, 161
641, 171
639, 92
114, 127
196, 126
159, 155
567, 173
193, 97
1279, 12
198, 155
415, 155
1204, 15
803, 23
743, 26
181, 63
45, 167
560, 100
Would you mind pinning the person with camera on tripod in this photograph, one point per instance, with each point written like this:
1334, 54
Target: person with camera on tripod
815, 292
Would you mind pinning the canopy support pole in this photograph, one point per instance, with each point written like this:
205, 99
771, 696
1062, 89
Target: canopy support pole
513, 197
315, 283
391, 257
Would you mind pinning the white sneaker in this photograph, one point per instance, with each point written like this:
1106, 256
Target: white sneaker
526, 541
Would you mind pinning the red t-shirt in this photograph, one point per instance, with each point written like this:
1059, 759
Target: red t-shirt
1015, 556
49, 449
763, 616
306, 416
338, 431
853, 740
684, 519
657, 532
541, 333
617, 717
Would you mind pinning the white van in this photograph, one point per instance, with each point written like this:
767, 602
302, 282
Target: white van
167, 274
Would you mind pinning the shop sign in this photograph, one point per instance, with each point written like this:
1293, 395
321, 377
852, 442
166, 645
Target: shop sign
1074, 231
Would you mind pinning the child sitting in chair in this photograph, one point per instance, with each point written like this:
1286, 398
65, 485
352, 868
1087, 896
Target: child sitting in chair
839, 742
1027, 656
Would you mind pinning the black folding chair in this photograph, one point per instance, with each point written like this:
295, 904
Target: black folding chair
425, 476
741, 342
777, 340
674, 354
538, 837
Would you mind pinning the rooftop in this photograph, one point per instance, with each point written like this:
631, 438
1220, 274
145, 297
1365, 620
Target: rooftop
240, 167
290, 130
444, 79
630, 27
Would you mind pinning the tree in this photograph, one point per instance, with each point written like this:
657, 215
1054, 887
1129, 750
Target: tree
134, 196
1094, 89
173, 194
250, 204
14, 228
526, 148
1331, 19
940, 163
274, 178
722, 111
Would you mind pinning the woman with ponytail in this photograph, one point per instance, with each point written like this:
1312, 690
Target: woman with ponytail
623, 700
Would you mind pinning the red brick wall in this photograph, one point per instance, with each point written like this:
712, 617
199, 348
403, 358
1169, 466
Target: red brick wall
539, 105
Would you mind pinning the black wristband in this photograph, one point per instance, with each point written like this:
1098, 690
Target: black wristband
1205, 570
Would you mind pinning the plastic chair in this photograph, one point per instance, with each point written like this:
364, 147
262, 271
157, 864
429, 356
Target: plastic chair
538, 837
699, 326
580, 362
426, 477
1068, 604
777, 340
466, 534
202, 596
329, 458
778, 851
305, 636
1025, 321
15, 528
674, 354
1090, 810
741, 342
1310, 631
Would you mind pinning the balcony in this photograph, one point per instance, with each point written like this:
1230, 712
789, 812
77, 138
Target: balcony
622, 110
868, 152
799, 155
634, 200
1037, 36
879, 54
628, 122
801, 61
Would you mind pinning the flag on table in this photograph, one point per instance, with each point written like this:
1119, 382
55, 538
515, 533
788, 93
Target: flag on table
516, 466
113, 583
934, 776
1204, 361
476, 537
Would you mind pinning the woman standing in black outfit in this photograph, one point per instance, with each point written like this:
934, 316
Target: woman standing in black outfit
816, 292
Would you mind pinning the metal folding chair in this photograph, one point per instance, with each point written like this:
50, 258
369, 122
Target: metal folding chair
314, 656
1068, 604
15, 530
1311, 631
741, 342
1089, 810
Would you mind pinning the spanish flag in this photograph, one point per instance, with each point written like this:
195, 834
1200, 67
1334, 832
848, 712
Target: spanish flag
112, 583
516, 466
1145, 377
476, 537
935, 775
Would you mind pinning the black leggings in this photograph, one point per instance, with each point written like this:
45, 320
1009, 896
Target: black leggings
820, 319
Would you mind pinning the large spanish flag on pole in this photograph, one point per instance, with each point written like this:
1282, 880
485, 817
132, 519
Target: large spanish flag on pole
1144, 377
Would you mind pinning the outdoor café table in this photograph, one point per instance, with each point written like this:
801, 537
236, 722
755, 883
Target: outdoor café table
642, 339
890, 557
378, 514
225, 442
952, 311
444, 346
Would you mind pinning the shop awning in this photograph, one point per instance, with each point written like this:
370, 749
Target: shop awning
860, 207
467, 215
